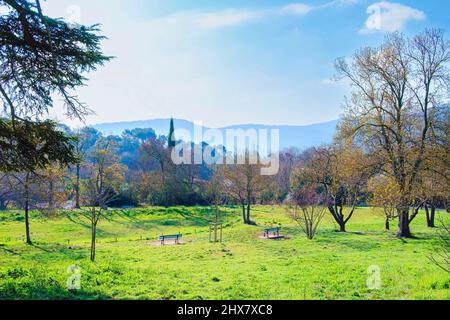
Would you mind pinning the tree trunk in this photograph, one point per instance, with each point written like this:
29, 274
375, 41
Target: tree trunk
2, 204
249, 204
51, 200
431, 214
77, 188
403, 224
243, 213
338, 218
387, 224
93, 239
27, 209
427, 214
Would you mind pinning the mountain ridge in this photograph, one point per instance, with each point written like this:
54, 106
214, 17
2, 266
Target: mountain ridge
300, 136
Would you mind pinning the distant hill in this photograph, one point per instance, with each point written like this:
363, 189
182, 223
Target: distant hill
301, 137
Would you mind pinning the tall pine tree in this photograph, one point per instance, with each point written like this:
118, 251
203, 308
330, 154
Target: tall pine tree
171, 140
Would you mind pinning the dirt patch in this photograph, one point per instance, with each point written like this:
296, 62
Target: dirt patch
280, 237
167, 243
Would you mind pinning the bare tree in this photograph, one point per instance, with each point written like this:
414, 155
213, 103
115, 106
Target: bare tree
288, 158
24, 186
397, 89
384, 194
106, 175
6, 191
214, 189
244, 182
434, 182
342, 171
433, 191
154, 150
308, 203
441, 258
86, 139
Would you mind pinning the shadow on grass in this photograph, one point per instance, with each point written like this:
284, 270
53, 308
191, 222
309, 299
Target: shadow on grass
40, 248
76, 219
56, 250
2, 248
351, 240
17, 283
179, 216
420, 236
46, 291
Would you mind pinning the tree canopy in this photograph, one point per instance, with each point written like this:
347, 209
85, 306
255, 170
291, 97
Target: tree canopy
40, 58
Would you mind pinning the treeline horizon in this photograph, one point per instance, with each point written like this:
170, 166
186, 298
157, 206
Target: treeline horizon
142, 150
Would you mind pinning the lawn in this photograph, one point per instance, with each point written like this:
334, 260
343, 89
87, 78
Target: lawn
332, 266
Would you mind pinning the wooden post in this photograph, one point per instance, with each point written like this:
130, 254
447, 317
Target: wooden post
214, 228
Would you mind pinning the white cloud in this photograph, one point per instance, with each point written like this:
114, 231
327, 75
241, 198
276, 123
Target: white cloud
237, 16
390, 17
339, 3
303, 9
296, 9
206, 20
227, 18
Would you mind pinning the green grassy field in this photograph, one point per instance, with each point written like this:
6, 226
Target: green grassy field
128, 266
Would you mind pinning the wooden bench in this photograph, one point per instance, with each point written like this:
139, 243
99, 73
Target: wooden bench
274, 231
175, 237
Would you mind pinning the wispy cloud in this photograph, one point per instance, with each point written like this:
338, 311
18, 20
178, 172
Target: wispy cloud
238, 16
302, 8
227, 18
338, 3
296, 9
390, 17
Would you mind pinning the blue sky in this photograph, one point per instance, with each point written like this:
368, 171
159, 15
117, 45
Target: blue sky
224, 62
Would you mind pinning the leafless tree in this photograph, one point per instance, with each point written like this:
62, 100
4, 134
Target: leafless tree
342, 171
398, 88
244, 182
24, 186
105, 177
384, 193
441, 258
307, 204
214, 189
6, 191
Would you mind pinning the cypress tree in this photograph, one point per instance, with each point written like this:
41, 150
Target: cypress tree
171, 140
